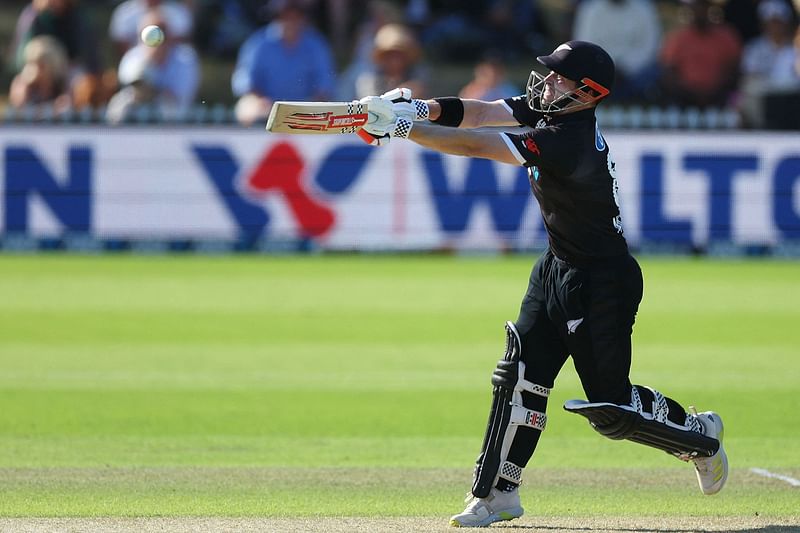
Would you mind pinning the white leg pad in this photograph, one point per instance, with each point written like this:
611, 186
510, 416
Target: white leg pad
517, 415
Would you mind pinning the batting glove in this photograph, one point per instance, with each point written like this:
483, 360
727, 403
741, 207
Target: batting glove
383, 123
406, 105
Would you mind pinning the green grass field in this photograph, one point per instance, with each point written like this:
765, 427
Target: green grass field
359, 386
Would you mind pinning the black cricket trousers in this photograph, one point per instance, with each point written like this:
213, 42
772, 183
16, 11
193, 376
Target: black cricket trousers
587, 313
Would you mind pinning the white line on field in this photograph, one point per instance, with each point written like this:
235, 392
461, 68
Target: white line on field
766, 473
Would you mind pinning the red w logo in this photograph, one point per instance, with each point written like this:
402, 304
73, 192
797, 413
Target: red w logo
281, 170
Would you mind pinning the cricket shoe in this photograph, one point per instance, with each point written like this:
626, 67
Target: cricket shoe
712, 472
481, 512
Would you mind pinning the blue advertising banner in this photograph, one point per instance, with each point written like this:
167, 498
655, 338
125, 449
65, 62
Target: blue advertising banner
228, 184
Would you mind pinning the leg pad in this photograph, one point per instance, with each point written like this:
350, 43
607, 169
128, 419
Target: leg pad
489, 460
506, 415
624, 422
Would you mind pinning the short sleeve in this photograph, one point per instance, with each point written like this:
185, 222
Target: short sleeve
132, 66
519, 108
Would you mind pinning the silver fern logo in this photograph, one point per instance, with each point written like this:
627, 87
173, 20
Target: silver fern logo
572, 325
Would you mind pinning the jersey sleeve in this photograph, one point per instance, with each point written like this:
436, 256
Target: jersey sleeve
518, 106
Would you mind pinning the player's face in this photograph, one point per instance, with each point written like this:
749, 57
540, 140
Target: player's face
556, 85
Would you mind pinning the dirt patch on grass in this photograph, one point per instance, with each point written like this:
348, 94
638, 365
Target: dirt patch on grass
396, 525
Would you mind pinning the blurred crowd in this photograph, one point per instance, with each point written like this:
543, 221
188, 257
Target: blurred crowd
736, 54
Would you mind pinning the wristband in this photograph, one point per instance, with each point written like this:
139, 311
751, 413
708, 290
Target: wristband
452, 111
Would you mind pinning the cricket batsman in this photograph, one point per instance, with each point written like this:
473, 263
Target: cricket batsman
584, 291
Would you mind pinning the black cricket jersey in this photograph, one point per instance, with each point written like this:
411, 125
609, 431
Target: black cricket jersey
573, 178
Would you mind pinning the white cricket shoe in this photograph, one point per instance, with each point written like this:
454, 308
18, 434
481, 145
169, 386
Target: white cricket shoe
481, 512
712, 472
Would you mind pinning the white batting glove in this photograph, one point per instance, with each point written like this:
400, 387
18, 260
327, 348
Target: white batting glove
407, 106
383, 123
379, 135
381, 120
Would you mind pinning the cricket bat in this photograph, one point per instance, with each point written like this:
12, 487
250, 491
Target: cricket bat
317, 117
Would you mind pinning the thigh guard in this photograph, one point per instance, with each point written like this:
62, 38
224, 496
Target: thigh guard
507, 413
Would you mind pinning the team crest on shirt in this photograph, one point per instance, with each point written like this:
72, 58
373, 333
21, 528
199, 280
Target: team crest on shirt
541, 124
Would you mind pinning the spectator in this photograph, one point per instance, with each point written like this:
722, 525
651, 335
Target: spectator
64, 20
43, 78
221, 26
743, 16
126, 20
700, 60
451, 30
67, 23
489, 82
516, 27
782, 108
396, 61
165, 77
287, 60
340, 20
381, 12
630, 31
769, 61
796, 43
558, 17
771, 56
459, 31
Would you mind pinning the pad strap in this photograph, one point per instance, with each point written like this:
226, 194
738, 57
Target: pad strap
660, 407
511, 375
528, 386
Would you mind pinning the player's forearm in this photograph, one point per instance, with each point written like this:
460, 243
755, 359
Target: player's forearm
446, 140
482, 144
477, 114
